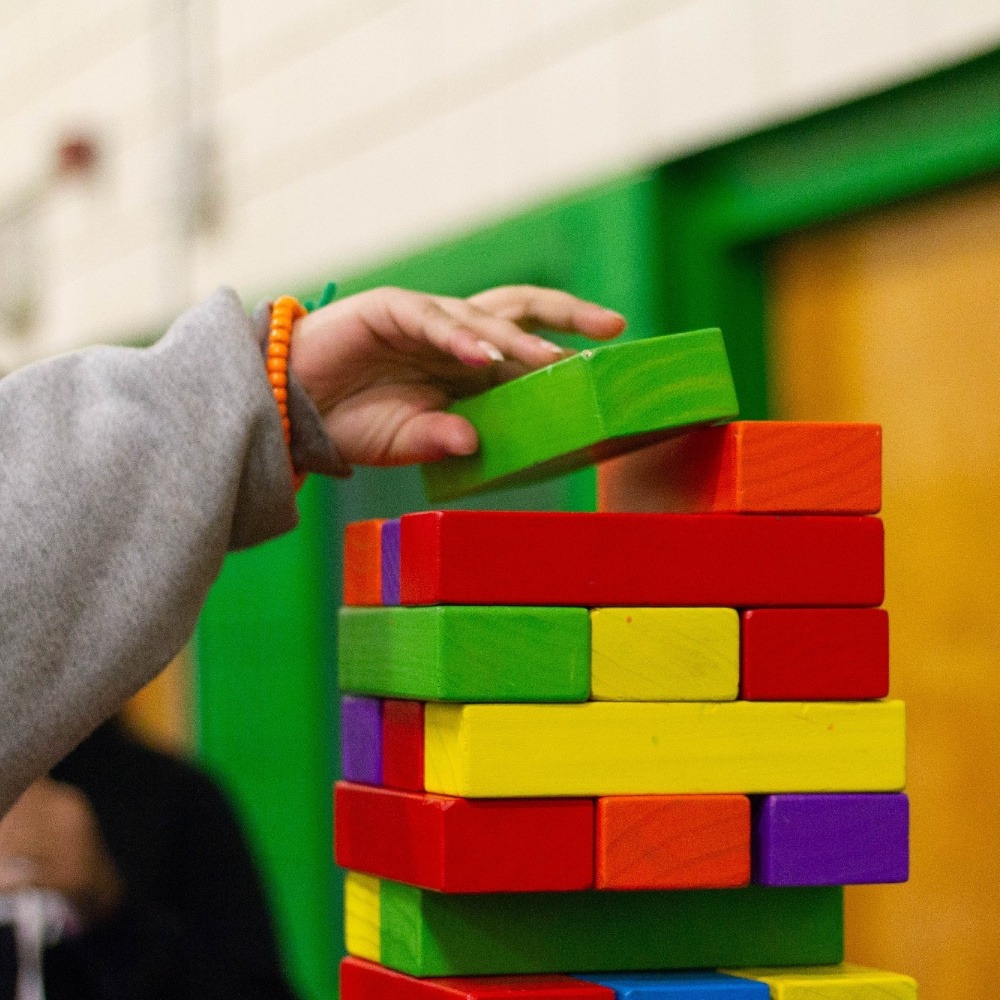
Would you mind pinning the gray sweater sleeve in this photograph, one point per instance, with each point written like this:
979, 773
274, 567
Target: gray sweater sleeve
125, 476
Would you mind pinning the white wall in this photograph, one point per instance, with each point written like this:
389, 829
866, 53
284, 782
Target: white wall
350, 131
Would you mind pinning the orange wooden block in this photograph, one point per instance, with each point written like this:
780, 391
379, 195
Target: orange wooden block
753, 467
672, 842
363, 564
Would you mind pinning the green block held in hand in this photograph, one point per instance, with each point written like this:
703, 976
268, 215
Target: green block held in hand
592, 406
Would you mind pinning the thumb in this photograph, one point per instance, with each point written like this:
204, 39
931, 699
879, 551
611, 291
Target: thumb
431, 436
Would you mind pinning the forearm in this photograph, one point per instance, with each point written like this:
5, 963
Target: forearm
125, 475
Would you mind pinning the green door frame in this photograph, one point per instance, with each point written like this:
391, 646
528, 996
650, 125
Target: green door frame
680, 247
722, 208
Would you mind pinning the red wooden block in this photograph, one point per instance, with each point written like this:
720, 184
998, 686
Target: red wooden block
363, 564
814, 654
464, 845
641, 560
752, 467
672, 842
403, 745
361, 980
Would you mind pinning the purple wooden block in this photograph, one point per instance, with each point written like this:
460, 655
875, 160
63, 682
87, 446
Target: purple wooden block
853, 839
390, 562
361, 739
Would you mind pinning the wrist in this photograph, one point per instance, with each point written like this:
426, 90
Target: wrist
284, 313
312, 448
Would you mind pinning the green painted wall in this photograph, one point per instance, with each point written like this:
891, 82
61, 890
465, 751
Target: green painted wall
265, 725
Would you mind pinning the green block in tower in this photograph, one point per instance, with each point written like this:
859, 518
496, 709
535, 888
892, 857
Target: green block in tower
465, 654
426, 933
595, 405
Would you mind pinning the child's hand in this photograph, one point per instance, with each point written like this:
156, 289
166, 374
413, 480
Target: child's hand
382, 365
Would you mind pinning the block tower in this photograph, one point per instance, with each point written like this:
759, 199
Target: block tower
622, 755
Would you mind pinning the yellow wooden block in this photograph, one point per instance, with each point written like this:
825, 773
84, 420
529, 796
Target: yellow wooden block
363, 916
664, 654
636, 748
832, 982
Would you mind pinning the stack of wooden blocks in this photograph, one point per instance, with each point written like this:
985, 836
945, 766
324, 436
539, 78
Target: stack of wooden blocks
583, 750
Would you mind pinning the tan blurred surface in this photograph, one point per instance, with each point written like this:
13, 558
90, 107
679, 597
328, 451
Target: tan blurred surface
161, 713
894, 317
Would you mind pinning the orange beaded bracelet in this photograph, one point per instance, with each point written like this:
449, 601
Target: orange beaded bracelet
284, 312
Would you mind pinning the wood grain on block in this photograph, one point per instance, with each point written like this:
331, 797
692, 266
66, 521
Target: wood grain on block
814, 654
462, 845
752, 467
361, 739
663, 748
680, 986
361, 980
831, 839
390, 562
427, 933
363, 563
466, 653
672, 842
362, 916
601, 402
640, 560
664, 654
403, 745
837, 982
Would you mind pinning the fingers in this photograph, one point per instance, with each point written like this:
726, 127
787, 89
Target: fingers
503, 334
533, 307
431, 436
421, 318
489, 328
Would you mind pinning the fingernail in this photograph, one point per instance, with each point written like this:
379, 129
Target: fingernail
549, 346
491, 351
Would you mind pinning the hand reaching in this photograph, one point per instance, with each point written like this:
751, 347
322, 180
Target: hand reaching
382, 365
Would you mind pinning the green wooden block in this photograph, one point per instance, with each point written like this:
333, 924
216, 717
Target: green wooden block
427, 933
592, 406
455, 653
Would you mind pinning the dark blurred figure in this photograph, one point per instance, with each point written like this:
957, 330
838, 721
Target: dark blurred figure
150, 855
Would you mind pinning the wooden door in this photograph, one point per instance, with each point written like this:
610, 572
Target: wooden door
895, 317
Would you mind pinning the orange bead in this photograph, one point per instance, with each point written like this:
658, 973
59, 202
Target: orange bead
284, 311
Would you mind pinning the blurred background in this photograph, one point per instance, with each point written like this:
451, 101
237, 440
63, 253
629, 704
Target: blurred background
818, 178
